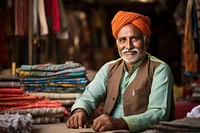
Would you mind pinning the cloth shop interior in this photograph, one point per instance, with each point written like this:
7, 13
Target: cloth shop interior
41, 39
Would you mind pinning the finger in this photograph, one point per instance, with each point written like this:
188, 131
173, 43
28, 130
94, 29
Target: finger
75, 122
96, 126
80, 122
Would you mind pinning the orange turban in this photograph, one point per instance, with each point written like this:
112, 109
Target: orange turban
122, 18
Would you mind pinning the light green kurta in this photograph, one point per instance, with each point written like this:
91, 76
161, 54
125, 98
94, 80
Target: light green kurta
159, 98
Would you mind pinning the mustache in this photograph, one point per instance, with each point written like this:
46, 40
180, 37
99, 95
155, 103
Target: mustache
130, 50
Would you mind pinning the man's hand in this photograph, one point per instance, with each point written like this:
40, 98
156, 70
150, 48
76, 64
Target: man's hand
105, 123
78, 119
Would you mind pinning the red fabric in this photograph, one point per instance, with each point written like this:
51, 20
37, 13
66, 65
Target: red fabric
12, 95
22, 98
182, 108
37, 104
2, 43
11, 91
53, 11
123, 18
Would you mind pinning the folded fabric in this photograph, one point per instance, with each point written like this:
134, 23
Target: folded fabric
56, 96
38, 112
46, 120
66, 72
15, 123
62, 76
50, 67
9, 78
185, 124
11, 91
12, 84
195, 112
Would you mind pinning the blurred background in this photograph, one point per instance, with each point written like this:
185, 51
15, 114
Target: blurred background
80, 31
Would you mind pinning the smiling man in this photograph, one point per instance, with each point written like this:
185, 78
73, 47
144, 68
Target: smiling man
136, 89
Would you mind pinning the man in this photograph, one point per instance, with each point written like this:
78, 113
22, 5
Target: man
136, 89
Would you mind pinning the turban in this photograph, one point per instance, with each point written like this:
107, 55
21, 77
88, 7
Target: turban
122, 18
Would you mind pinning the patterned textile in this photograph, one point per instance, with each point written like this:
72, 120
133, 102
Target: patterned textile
64, 76
43, 73
15, 123
9, 84
46, 120
37, 104
8, 78
50, 67
55, 96
12, 95
55, 89
67, 103
26, 98
21, 17
37, 112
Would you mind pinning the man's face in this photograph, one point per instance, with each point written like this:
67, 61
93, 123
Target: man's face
131, 44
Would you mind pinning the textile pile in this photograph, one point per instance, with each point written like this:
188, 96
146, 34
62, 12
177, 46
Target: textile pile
13, 100
15, 123
63, 82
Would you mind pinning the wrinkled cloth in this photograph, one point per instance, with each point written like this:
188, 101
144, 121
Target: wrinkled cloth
195, 112
122, 18
15, 123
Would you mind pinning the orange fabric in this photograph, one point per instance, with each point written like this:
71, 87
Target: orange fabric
122, 18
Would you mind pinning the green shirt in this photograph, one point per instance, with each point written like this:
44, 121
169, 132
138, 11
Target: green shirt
159, 98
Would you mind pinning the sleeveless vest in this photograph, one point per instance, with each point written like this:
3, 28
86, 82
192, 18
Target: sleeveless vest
136, 95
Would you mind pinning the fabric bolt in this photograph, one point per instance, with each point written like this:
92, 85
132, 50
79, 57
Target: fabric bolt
46, 120
35, 13
188, 42
52, 11
9, 78
12, 95
63, 18
2, 42
38, 104
43, 74
67, 103
26, 98
55, 89
50, 67
15, 123
123, 17
56, 96
11, 91
21, 17
56, 77
58, 80
10, 84
42, 18
98, 90
37, 112
185, 124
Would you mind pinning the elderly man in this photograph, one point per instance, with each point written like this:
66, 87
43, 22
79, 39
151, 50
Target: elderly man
137, 89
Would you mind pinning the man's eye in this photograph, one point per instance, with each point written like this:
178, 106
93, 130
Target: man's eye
134, 39
122, 40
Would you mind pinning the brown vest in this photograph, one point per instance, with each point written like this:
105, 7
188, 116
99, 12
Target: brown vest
136, 95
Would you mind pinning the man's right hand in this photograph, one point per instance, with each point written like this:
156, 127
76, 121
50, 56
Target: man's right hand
78, 119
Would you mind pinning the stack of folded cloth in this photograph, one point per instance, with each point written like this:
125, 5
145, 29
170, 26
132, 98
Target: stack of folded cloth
63, 82
15, 123
13, 100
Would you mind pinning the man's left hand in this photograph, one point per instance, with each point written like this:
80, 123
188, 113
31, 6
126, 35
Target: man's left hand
105, 123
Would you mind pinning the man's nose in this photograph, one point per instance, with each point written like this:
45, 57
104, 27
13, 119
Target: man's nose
129, 43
